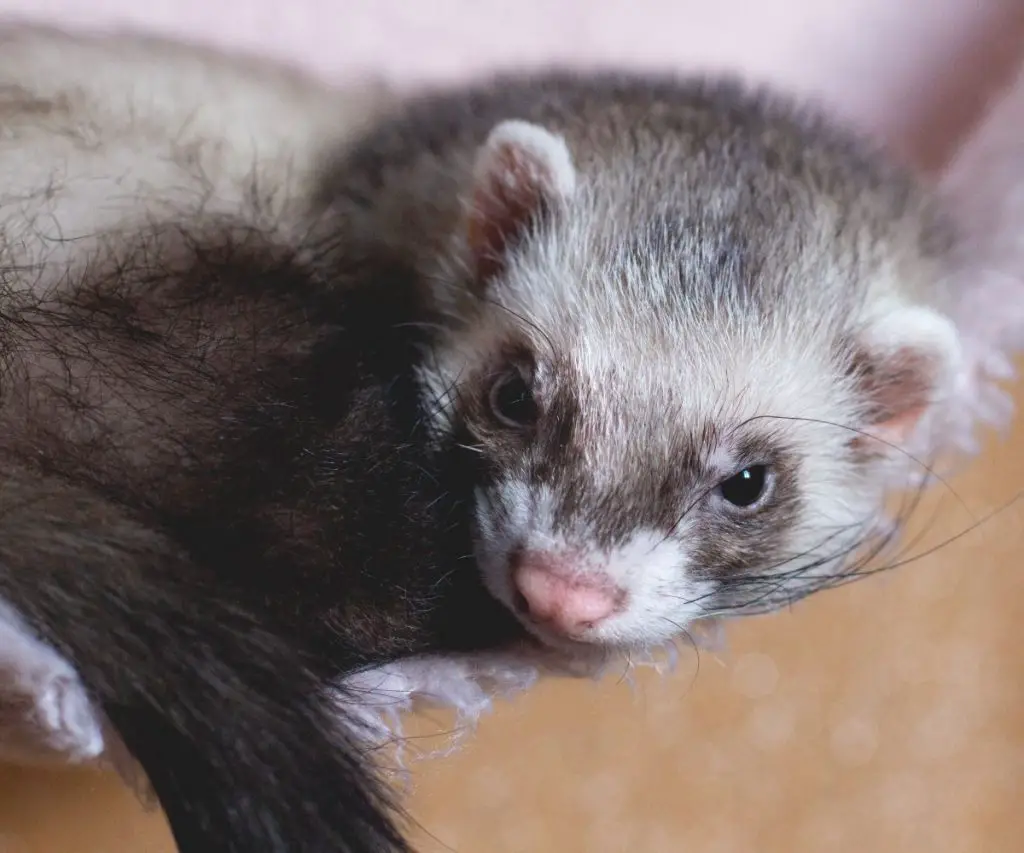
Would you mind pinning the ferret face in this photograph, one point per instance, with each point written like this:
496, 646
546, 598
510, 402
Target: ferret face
622, 493
656, 435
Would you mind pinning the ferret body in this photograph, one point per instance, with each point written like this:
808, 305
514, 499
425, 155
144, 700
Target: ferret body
624, 338
681, 330
215, 496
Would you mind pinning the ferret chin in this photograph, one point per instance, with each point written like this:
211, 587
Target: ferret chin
683, 331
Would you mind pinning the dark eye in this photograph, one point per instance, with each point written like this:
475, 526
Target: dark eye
745, 488
512, 401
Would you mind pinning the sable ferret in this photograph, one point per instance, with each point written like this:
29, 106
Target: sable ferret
643, 346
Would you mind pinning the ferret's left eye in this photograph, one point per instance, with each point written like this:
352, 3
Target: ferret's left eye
746, 488
512, 400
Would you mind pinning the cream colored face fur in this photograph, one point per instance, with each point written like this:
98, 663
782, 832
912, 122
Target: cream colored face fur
661, 363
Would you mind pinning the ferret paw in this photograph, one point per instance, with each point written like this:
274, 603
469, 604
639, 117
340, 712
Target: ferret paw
48, 718
46, 714
65, 714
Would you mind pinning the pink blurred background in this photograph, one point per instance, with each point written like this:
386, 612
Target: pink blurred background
915, 70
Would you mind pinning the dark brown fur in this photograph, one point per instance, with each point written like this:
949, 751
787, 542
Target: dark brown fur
219, 503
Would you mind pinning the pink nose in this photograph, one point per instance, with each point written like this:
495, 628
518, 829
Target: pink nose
569, 605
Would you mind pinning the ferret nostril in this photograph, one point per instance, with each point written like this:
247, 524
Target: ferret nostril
520, 603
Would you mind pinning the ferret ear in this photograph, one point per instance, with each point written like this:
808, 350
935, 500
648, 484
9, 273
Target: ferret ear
521, 171
901, 364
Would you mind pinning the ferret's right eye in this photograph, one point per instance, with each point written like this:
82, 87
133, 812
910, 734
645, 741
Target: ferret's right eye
512, 401
745, 489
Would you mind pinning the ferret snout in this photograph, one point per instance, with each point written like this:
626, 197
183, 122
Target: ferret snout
549, 592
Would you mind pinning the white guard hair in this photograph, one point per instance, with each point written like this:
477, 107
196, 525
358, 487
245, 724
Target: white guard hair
152, 91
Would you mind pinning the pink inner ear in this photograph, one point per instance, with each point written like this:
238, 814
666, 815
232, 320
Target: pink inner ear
898, 387
896, 430
509, 193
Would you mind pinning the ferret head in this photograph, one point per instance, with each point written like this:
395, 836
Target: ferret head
676, 393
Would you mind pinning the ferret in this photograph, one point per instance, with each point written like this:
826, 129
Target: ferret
681, 328
296, 394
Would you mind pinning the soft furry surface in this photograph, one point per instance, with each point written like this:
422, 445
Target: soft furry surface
43, 708
985, 186
984, 189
